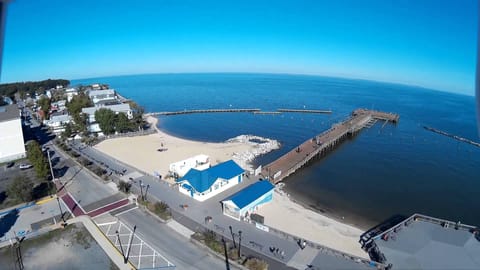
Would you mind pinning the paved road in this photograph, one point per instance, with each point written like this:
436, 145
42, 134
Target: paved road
178, 249
255, 241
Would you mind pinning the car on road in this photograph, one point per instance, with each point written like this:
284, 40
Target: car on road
25, 166
10, 164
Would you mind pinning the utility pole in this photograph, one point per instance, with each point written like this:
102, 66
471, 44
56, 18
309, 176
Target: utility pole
233, 236
239, 242
227, 264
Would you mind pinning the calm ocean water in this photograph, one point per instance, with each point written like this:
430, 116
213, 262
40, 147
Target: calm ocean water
385, 170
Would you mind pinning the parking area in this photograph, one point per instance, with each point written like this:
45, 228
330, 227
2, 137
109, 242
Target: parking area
140, 254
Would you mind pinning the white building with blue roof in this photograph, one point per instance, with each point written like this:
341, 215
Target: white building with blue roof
245, 202
204, 184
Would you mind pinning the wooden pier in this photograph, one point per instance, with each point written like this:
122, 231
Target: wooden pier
323, 143
303, 111
458, 138
205, 111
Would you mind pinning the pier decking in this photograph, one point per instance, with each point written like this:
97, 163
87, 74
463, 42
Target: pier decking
303, 111
204, 111
323, 143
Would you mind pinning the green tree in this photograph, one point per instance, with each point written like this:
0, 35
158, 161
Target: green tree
20, 189
122, 123
37, 159
44, 104
137, 120
77, 103
106, 120
68, 131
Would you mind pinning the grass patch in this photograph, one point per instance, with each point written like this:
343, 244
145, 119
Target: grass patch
160, 209
256, 264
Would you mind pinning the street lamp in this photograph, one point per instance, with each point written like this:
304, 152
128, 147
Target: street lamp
146, 190
141, 189
227, 264
121, 247
50, 163
239, 242
233, 236
61, 211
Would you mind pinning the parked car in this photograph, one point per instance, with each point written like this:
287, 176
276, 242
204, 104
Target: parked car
25, 166
10, 164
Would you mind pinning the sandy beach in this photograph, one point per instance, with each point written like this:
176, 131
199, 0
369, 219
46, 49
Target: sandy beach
288, 216
282, 214
142, 151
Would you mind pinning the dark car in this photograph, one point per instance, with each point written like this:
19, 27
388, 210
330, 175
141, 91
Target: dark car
10, 164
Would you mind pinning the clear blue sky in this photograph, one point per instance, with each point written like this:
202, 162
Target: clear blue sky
430, 43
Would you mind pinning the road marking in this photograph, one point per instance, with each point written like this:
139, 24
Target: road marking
126, 211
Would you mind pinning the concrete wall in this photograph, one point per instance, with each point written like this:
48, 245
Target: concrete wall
12, 146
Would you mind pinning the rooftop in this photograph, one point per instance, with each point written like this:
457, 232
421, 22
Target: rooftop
247, 195
424, 243
203, 180
9, 112
93, 93
116, 108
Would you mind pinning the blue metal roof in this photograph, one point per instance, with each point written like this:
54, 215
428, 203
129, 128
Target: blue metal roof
249, 194
203, 180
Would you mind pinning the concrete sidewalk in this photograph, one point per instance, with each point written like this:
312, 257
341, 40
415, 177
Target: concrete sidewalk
106, 245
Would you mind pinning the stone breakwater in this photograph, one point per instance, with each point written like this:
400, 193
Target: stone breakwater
260, 146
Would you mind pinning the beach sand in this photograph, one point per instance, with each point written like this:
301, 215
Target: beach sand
282, 214
288, 216
141, 151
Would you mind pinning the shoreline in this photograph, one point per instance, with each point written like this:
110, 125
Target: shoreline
302, 221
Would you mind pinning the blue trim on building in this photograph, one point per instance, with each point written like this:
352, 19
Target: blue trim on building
251, 193
201, 181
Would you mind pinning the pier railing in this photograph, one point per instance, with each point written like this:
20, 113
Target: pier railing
323, 143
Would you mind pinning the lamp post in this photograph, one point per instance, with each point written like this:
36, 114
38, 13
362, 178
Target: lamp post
125, 259
233, 236
239, 242
141, 189
146, 191
61, 211
121, 247
50, 163
227, 264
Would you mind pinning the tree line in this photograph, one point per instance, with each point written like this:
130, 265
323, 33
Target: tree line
9, 89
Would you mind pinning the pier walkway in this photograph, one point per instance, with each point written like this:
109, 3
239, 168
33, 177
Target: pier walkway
204, 111
323, 143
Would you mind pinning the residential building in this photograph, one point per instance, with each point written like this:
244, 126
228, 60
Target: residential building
119, 108
204, 184
57, 122
199, 162
12, 146
246, 202
70, 93
102, 95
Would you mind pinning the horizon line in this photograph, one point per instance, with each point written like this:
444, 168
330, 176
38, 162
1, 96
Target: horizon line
282, 73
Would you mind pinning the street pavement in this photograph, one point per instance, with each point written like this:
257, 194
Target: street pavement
254, 241
174, 246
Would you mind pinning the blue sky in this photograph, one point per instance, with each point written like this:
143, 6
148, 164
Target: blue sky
427, 43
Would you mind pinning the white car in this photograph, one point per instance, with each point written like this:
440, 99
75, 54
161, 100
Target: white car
25, 166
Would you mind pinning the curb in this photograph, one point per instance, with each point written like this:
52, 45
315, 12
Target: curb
213, 253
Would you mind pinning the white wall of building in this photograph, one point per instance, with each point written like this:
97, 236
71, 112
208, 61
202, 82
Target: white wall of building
199, 162
218, 187
12, 146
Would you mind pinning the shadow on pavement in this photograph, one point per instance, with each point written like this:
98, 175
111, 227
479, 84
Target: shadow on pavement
7, 221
